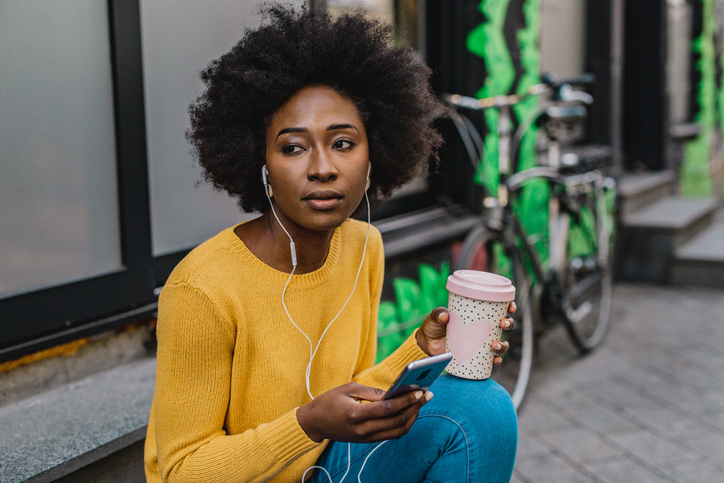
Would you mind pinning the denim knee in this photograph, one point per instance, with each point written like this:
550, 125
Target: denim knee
485, 412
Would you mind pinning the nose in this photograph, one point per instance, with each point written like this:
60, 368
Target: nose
321, 167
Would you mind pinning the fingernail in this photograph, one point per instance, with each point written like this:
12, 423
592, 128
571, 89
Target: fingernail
496, 347
428, 396
418, 394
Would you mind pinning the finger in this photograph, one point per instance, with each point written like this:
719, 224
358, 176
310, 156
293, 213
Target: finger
441, 315
392, 427
396, 433
389, 407
512, 307
507, 323
497, 360
435, 325
499, 347
367, 393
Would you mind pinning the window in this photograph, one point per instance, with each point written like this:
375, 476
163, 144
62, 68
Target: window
99, 195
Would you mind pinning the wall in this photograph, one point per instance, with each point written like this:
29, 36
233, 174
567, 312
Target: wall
701, 171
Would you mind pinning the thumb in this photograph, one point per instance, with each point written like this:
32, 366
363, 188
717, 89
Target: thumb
435, 325
365, 393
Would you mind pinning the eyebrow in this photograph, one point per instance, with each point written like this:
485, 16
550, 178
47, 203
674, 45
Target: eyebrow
333, 127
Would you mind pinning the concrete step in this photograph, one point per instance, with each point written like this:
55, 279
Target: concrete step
88, 430
637, 190
648, 237
700, 261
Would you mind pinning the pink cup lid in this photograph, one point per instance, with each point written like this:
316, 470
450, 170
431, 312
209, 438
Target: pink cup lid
478, 285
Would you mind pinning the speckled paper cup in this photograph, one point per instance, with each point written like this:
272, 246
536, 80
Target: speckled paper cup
478, 302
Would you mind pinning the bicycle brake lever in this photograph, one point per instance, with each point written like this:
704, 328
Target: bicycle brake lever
567, 93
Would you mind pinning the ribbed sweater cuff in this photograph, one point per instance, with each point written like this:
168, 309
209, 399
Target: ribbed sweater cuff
287, 439
409, 351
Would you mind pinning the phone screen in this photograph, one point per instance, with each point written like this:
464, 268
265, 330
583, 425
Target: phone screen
418, 375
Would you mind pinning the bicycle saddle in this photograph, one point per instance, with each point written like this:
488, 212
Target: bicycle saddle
565, 113
584, 158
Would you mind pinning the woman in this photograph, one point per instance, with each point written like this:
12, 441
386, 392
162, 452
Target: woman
266, 348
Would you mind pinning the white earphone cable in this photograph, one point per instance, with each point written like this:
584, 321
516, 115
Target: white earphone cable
313, 350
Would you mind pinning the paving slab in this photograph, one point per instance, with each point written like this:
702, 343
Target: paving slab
623, 470
581, 446
647, 406
711, 447
551, 468
694, 472
540, 418
621, 396
603, 419
654, 449
664, 421
529, 446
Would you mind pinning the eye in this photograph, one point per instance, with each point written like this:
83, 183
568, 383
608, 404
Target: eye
291, 149
344, 144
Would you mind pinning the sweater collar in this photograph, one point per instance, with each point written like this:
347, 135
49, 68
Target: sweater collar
299, 283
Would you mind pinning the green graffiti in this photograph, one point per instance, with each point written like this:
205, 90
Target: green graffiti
696, 179
487, 41
414, 300
532, 208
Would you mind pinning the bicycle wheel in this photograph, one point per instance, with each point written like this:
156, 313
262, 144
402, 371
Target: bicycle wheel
585, 274
484, 251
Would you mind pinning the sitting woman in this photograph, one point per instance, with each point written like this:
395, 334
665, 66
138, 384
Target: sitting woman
267, 332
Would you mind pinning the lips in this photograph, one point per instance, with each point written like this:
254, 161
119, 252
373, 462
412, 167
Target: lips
323, 200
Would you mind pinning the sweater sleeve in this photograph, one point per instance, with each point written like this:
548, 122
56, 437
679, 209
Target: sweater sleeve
193, 386
383, 374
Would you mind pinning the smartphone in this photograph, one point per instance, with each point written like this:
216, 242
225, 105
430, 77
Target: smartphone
418, 375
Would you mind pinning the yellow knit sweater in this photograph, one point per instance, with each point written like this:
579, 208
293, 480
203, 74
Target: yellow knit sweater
231, 366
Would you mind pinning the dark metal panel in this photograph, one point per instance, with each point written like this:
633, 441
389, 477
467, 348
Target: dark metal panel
604, 59
126, 54
164, 265
454, 70
645, 111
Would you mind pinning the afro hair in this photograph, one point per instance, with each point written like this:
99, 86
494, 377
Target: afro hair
295, 48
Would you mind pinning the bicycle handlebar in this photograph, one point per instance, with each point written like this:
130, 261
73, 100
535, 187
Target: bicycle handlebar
561, 91
549, 79
516, 181
497, 101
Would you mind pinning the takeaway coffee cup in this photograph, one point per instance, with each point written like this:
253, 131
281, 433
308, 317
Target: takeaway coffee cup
477, 304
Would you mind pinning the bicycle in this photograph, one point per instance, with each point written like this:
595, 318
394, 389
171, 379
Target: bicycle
575, 284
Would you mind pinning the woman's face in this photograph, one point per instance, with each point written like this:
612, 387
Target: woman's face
317, 157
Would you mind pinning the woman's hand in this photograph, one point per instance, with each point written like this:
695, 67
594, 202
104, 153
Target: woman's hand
356, 413
431, 336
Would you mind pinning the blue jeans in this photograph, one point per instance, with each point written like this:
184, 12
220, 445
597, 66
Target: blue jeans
467, 433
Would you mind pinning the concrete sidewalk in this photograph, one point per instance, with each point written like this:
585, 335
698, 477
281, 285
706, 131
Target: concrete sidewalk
648, 406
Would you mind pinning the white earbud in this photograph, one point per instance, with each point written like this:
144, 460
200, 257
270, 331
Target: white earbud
265, 177
369, 170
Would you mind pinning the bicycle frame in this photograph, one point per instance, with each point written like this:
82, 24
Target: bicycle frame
564, 189
502, 220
